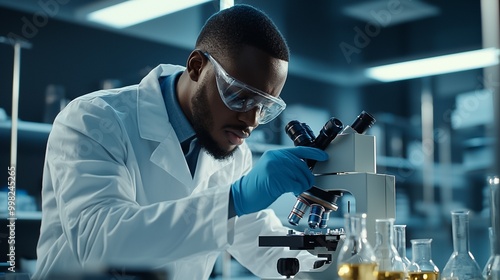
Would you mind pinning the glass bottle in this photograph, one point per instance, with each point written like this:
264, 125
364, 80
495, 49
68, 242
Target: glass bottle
400, 243
461, 265
390, 264
495, 224
422, 267
356, 260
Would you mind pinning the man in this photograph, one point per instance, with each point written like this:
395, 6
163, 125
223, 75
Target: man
158, 175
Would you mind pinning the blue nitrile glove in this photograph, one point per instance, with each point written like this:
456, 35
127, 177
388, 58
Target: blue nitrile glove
277, 172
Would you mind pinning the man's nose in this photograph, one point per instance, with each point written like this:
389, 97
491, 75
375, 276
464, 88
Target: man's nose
251, 117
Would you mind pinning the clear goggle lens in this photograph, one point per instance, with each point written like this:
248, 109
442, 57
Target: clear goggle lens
241, 97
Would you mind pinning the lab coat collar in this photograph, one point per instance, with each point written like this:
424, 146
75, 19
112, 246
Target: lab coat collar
153, 119
154, 125
172, 161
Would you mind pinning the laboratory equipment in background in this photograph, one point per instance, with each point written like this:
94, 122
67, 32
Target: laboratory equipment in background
111, 84
461, 265
390, 264
400, 243
55, 101
356, 258
351, 169
422, 267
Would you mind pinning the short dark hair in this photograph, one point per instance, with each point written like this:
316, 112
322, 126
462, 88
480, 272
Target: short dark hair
227, 31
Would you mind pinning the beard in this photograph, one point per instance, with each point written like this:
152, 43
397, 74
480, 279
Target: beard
203, 123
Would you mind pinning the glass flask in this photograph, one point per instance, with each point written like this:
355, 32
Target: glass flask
494, 183
487, 267
422, 267
400, 243
356, 260
390, 264
461, 265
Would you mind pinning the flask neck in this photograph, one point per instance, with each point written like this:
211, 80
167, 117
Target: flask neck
356, 226
460, 228
494, 208
492, 241
400, 239
384, 233
421, 250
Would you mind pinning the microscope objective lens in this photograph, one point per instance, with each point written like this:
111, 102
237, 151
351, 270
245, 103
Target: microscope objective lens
315, 215
298, 211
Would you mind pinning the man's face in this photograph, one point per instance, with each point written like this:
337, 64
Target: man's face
219, 129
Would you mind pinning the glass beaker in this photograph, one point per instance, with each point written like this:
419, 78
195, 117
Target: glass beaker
494, 183
461, 265
422, 267
390, 264
400, 243
356, 260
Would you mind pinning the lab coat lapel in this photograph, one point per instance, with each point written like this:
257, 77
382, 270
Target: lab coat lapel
168, 155
154, 125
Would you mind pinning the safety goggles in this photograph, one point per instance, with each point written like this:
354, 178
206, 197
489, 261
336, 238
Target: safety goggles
241, 97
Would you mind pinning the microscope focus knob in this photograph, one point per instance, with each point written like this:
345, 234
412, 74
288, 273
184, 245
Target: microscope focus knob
288, 266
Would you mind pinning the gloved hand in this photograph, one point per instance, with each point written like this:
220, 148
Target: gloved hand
277, 172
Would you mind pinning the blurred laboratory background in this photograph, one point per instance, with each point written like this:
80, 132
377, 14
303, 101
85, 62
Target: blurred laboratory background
435, 129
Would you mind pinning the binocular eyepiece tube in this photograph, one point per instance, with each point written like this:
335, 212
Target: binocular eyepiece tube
302, 135
322, 203
363, 122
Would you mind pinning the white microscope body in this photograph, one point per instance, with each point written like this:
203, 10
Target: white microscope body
351, 168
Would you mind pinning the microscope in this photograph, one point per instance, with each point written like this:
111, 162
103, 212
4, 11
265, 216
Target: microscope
351, 168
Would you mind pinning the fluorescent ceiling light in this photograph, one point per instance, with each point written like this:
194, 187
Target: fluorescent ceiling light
133, 12
224, 4
435, 65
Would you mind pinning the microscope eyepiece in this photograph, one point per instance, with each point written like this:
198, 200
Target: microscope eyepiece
329, 131
300, 133
363, 122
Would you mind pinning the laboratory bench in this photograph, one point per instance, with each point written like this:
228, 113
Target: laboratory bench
409, 208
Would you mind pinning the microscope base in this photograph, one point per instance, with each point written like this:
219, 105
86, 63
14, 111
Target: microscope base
318, 245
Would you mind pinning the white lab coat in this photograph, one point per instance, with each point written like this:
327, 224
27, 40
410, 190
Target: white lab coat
117, 191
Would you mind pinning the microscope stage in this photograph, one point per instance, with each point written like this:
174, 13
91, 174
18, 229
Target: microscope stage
301, 242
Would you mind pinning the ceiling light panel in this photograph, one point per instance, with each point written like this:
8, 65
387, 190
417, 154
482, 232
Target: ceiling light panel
435, 65
133, 12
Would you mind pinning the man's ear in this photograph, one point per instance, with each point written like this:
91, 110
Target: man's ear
195, 63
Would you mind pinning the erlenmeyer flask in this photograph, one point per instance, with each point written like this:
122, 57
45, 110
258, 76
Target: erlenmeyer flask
487, 266
422, 267
400, 243
461, 265
390, 264
356, 260
495, 224
489, 263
